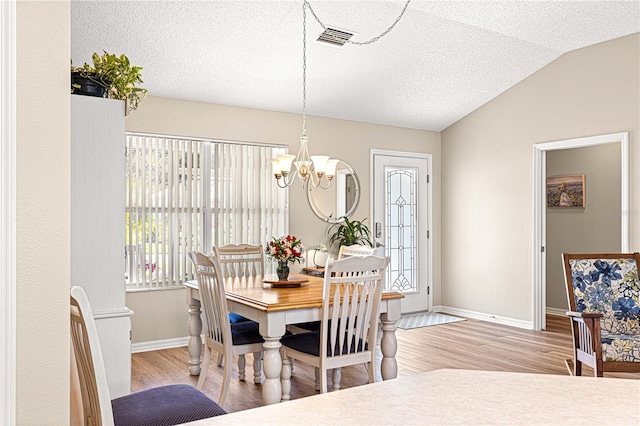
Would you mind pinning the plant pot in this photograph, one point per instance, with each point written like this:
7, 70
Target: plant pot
88, 85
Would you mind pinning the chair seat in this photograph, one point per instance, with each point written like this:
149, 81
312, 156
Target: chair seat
621, 347
163, 406
246, 333
235, 318
309, 343
310, 326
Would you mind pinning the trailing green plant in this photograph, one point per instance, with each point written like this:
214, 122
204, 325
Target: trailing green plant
116, 75
350, 232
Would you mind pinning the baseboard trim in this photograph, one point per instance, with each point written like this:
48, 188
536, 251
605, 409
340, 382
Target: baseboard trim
557, 312
513, 322
112, 313
157, 345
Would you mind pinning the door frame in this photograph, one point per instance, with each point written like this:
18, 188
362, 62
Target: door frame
539, 209
8, 211
429, 158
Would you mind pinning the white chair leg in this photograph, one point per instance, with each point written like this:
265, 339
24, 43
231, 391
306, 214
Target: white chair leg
317, 379
226, 380
220, 358
323, 380
371, 370
242, 363
204, 368
285, 377
335, 379
257, 367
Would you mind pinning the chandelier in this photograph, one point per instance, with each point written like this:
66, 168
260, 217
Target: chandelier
312, 169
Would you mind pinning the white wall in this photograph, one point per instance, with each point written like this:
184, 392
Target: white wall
348, 140
593, 229
487, 170
42, 213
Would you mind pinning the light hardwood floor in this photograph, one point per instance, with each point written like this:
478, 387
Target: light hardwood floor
470, 344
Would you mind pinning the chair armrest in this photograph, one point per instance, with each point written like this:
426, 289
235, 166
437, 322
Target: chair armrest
584, 314
586, 333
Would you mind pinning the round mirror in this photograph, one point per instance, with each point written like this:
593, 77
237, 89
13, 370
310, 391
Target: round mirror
340, 198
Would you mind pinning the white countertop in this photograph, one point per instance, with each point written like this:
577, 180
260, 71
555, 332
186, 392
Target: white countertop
460, 397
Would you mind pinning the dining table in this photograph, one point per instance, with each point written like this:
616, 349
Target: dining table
274, 307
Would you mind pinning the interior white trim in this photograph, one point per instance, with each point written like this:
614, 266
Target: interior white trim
539, 212
7, 211
157, 345
112, 313
429, 158
513, 322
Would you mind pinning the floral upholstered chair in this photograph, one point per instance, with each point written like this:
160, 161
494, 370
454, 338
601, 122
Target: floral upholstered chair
604, 302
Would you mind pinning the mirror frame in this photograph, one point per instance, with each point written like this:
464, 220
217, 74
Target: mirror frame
328, 217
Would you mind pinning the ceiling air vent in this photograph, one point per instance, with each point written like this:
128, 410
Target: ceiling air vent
335, 37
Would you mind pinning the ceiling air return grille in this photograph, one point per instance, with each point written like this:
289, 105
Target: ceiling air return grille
335, 37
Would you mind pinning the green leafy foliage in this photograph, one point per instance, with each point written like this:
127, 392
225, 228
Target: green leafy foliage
350, 232
117, 75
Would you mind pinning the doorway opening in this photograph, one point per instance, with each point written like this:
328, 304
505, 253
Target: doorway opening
540, 206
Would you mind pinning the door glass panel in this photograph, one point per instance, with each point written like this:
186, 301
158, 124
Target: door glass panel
401, 228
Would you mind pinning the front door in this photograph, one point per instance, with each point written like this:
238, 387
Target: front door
400, 220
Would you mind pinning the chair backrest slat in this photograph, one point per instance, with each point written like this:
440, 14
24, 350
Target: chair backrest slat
242, 260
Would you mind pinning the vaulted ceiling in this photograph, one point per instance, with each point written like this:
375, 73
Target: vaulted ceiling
442, 60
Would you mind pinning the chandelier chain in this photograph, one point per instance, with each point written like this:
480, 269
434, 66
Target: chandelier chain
373, 40
304, 68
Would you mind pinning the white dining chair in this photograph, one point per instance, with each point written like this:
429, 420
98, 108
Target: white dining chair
241, 260
355, 250
164, 405
223, 337
351, 296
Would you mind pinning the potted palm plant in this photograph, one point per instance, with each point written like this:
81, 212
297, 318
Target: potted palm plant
110, 76
350, 232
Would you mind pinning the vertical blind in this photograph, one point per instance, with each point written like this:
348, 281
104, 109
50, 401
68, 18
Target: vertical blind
186, 194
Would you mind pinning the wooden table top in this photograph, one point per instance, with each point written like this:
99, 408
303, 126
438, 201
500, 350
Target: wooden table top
251, 291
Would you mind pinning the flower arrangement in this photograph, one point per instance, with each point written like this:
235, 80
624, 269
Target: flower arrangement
286, 249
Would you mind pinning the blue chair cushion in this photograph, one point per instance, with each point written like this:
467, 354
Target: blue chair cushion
311, 326
247, 332
235, 318
164, 406
309, 343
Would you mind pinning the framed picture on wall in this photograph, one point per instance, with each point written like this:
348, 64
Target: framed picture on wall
566, 191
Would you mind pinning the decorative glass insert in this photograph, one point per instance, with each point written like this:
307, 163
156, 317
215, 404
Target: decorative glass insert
401, 228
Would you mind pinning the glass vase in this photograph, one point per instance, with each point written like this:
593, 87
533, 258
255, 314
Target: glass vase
283, 270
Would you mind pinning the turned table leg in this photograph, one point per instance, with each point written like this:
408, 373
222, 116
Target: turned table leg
195, 341
389, 347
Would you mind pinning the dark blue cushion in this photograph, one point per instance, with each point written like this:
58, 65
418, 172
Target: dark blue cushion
311, 326
235, 318
309, 343
244, 333
164, 406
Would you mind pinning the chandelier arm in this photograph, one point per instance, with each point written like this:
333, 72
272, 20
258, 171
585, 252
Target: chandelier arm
323, 187
314, 179
360, 43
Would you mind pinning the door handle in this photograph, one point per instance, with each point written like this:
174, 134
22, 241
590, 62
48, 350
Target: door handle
378, 230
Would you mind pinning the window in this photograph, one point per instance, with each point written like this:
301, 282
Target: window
191, 194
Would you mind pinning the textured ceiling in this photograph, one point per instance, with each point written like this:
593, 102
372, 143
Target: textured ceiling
443, 60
